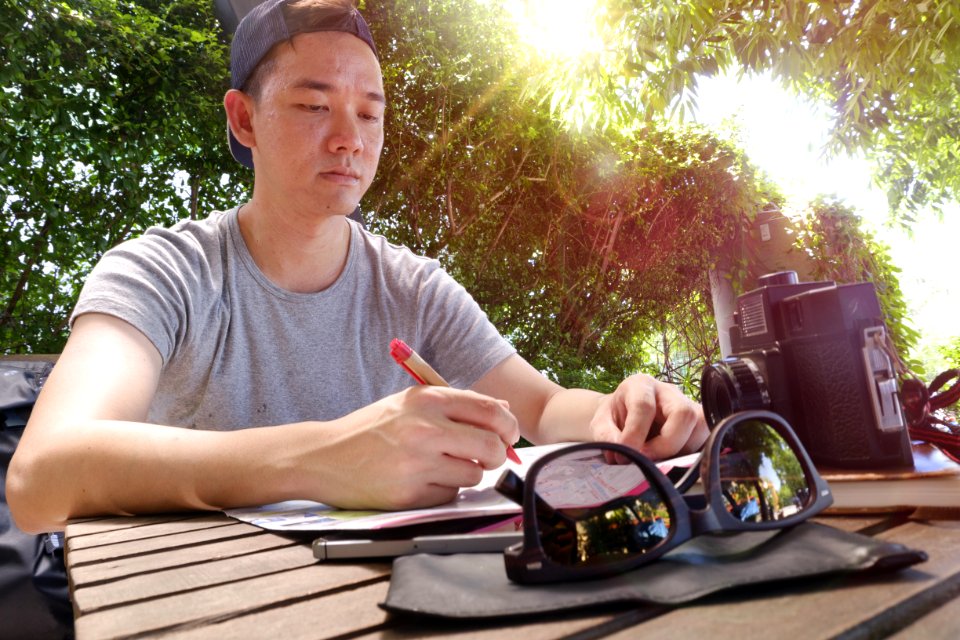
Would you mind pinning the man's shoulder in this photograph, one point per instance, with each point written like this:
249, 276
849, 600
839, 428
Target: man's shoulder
392, 255
157, 280
191, 233
187, 241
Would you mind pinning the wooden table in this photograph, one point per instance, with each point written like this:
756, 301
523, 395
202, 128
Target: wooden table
208, 576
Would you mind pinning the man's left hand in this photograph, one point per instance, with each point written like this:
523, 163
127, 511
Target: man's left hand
651, 416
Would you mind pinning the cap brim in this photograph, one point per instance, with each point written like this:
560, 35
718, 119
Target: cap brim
240, 153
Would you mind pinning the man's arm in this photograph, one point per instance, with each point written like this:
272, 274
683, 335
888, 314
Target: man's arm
87, 449
639, 407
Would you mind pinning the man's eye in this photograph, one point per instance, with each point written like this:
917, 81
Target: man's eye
369, 117
315, 108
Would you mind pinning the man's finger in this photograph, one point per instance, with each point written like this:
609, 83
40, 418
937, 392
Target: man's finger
699, 436
681, 417
604, 425
474, 409
640, 403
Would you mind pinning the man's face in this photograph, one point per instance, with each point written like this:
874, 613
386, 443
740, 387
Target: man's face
318, 123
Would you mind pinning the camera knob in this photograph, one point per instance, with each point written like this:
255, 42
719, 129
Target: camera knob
780, 277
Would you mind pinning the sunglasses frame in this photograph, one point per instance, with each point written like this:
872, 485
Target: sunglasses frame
527, 563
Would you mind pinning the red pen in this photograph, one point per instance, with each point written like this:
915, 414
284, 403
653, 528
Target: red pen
425, 374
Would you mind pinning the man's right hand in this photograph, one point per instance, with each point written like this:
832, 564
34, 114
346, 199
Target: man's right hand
413, 449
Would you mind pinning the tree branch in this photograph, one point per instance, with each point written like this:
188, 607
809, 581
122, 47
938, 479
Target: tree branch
29, 263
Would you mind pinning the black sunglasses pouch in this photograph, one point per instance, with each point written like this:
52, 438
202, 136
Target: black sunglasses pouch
475, 586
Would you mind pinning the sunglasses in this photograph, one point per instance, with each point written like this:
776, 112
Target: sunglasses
587, 517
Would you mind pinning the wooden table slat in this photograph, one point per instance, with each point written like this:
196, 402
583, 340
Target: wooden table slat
353, 613
939, 624
180, 579
95, 526
201, 583
78, 557
146, 531
354, 609
802, 610
223, 601
108, 570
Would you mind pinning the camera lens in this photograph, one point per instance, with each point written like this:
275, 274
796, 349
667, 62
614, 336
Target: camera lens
729, 386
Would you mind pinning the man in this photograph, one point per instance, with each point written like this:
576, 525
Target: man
264, 331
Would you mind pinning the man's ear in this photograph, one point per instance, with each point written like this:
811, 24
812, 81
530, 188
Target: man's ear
239, 108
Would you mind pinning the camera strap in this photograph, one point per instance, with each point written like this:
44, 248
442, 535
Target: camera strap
921, 402
940, 397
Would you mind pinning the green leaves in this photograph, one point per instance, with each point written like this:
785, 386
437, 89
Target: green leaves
587, 239
887, 68
577, 245
103, 105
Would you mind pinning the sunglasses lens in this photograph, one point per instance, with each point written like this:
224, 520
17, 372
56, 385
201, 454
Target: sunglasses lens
761, 477
592, 512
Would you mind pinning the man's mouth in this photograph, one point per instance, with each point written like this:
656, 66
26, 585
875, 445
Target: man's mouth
343, 171
341, 175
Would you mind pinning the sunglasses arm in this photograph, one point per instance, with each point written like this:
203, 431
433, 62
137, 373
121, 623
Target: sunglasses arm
689, 478
510, 485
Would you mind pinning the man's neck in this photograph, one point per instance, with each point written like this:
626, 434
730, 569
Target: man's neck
303, 252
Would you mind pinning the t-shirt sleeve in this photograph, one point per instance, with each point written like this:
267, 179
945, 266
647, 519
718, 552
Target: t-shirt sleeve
458, 337
148, 282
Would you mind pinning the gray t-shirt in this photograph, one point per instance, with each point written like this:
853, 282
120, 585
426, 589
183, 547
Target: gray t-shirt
239, 351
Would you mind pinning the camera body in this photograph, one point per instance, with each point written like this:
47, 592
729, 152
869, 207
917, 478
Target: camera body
814, 352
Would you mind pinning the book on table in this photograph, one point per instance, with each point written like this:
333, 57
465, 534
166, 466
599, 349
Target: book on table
934, 481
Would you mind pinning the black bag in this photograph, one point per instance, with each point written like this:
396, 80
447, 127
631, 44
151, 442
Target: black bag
34, 598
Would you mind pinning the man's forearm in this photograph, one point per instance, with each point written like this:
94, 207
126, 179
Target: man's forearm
566, 416
101, 467
413, 449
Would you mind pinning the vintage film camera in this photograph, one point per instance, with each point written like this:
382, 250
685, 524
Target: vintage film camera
814, 352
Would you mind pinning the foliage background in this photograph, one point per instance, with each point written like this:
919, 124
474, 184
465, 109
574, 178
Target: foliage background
110, 111
587, 240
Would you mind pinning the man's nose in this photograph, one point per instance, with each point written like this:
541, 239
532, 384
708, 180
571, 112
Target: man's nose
345, 135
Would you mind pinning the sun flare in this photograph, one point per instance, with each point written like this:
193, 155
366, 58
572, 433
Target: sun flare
564, 29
